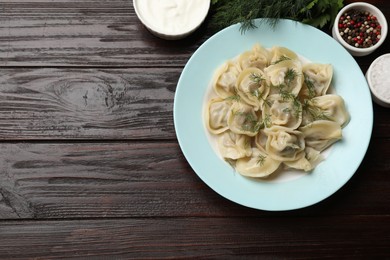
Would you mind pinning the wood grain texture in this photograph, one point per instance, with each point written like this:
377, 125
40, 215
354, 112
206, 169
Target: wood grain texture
71, 103
87, 103
90, 167
148, 179
222, 238
96, 33
84, 33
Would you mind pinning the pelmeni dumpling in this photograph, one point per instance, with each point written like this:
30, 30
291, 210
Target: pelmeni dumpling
217, 114
252, 88
327, 107
282, 111
281, 53
285, 76
308, 162
321, 134
234, 146
317, 79
243, 119
258, 57
225, 79
259, 164
333, 107
284, 144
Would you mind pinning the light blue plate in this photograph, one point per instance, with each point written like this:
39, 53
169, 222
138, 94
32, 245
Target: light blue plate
329, 176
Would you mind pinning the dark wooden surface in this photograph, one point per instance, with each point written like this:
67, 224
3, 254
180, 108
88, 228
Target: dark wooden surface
90, 166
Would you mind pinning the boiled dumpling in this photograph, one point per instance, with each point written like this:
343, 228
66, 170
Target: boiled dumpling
321, 134
225, 80
281, 53
258, 57
284, 144
283, 112
251, 87
308, 162
257, 165
327, 107
285, 77
243, 119
317, 78
217, 115
234, 146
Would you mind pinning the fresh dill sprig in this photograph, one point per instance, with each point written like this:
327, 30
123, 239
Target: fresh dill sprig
314, 12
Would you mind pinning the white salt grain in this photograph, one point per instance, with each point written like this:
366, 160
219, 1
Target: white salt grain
380, 77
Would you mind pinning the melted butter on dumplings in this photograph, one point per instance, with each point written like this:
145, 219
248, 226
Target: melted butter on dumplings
273, 109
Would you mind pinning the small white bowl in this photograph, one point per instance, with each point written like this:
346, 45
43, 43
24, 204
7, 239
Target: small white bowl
170, 19
362, 7
378, 80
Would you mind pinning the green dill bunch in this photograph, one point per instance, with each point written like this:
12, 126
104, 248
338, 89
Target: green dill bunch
315, 12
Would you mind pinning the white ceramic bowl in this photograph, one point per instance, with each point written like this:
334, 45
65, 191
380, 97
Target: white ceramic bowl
168, 20
363, 7
378, 79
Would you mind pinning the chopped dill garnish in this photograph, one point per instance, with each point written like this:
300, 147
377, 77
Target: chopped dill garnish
310, 85
257, 93
251, 124
267, 122
288, 96
281, 58
256, 78
315, 112
235, 97
261, 159
291, 74
260, 96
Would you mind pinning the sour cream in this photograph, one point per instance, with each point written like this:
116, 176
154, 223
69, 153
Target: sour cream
171, 19
379, 81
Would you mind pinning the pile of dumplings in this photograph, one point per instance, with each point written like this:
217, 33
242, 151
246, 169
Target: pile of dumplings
273, 111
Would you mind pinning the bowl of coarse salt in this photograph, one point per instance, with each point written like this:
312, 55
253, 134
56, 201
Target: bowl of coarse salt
171, 19
378, 79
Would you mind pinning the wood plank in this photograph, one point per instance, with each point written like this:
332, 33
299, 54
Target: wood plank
84, 33
66, 103
149, 179
87, 103
104, 33
222, 238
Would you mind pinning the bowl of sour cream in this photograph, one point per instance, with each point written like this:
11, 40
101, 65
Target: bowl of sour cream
378, 79
171, 19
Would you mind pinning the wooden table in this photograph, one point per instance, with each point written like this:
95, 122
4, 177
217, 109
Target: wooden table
90, 165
